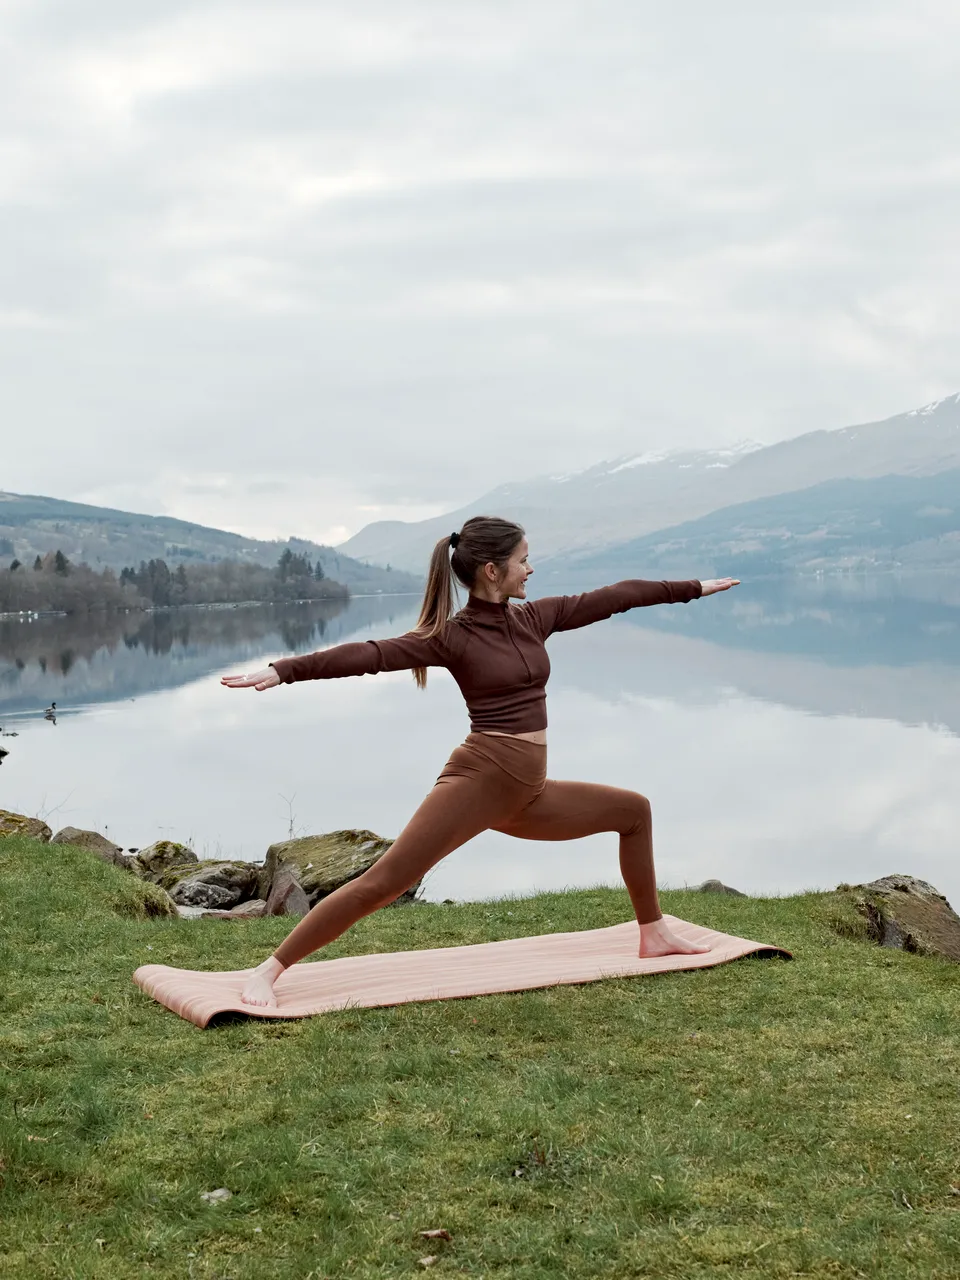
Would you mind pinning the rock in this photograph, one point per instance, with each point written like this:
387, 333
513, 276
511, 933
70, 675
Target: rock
323, 863
18, 824
717, 886
216, 1197
250, 910
211, 883
152, 862
94, 842
287, 897
907, 913
190, 893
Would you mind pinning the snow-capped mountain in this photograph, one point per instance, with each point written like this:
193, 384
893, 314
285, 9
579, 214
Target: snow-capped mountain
626, 497
683, 460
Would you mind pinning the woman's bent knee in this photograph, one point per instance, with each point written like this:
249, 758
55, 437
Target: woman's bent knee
641, 813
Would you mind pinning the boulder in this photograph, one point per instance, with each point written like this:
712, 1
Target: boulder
157, 858
250, 910
717, 886
211, 883
287, 897
198, 893
18, 824
323, 863
94, 842
907, 913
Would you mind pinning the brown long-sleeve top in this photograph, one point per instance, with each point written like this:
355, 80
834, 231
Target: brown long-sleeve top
495, 652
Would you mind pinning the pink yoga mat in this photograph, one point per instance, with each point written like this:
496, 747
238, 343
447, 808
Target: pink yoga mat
441, 973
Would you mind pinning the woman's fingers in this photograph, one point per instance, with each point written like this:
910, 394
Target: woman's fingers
260, 679
712, 585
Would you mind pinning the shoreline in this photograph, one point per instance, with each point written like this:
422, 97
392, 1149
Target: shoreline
32, 615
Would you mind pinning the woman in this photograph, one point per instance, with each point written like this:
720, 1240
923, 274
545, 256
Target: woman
498, 777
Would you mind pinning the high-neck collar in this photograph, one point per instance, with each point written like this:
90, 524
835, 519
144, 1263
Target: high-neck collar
477, 604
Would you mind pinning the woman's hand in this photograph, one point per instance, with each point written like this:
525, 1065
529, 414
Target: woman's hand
712, 585
265, 679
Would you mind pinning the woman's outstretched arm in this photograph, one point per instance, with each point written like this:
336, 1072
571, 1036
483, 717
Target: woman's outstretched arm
564, 613
356, 658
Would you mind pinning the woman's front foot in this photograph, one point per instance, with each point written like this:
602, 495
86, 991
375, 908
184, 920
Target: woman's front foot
258, 988
658, 939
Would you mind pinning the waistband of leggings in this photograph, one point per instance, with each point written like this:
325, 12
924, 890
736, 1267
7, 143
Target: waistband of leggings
522, 759
510, 742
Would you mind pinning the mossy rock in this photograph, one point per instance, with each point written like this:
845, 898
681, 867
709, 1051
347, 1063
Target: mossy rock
158, 858
18, 824
323, 862
899, 911
210, 869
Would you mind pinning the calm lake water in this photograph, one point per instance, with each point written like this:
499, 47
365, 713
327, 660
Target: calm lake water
789, 735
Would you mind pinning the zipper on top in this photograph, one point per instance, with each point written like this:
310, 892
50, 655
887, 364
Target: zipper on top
506, 608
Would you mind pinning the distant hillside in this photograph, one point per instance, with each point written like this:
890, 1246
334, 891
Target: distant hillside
32, 525
892, 522
638, 494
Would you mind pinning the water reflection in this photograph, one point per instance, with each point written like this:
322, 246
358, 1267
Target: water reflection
846, 621
106, 656
789, 735
841, 623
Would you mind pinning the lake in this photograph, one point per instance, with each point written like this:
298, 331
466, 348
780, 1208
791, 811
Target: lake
790, 735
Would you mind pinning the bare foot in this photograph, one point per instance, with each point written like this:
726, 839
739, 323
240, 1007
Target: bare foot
258, 989
657, 939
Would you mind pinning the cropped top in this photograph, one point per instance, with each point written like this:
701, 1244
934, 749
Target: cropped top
495, 652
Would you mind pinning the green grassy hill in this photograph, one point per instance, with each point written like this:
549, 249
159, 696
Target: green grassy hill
765, 1118
103, 537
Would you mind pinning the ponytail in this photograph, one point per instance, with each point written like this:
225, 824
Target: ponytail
481, 540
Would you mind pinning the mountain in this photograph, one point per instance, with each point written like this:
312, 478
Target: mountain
614, 504
615, 501
909, 523
32, 525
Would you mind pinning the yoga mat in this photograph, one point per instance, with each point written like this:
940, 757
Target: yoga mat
441, 973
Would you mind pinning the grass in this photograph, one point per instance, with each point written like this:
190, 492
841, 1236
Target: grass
764, 1118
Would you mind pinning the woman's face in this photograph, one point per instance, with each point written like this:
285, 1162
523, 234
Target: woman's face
514, 575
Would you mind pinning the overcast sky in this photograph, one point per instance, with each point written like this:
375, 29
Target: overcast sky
289, 268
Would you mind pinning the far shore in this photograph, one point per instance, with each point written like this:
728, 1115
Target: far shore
31, 615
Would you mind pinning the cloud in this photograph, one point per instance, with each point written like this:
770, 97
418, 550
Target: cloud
411, 250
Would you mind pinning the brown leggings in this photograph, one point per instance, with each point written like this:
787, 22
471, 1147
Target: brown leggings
497, 783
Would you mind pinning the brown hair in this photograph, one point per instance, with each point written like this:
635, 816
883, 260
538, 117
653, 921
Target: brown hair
481, 540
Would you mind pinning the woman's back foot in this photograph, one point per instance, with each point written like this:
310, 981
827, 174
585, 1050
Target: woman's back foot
258, 988
658, 939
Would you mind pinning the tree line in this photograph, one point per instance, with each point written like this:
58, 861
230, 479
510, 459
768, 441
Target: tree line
53, 583
56, 643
